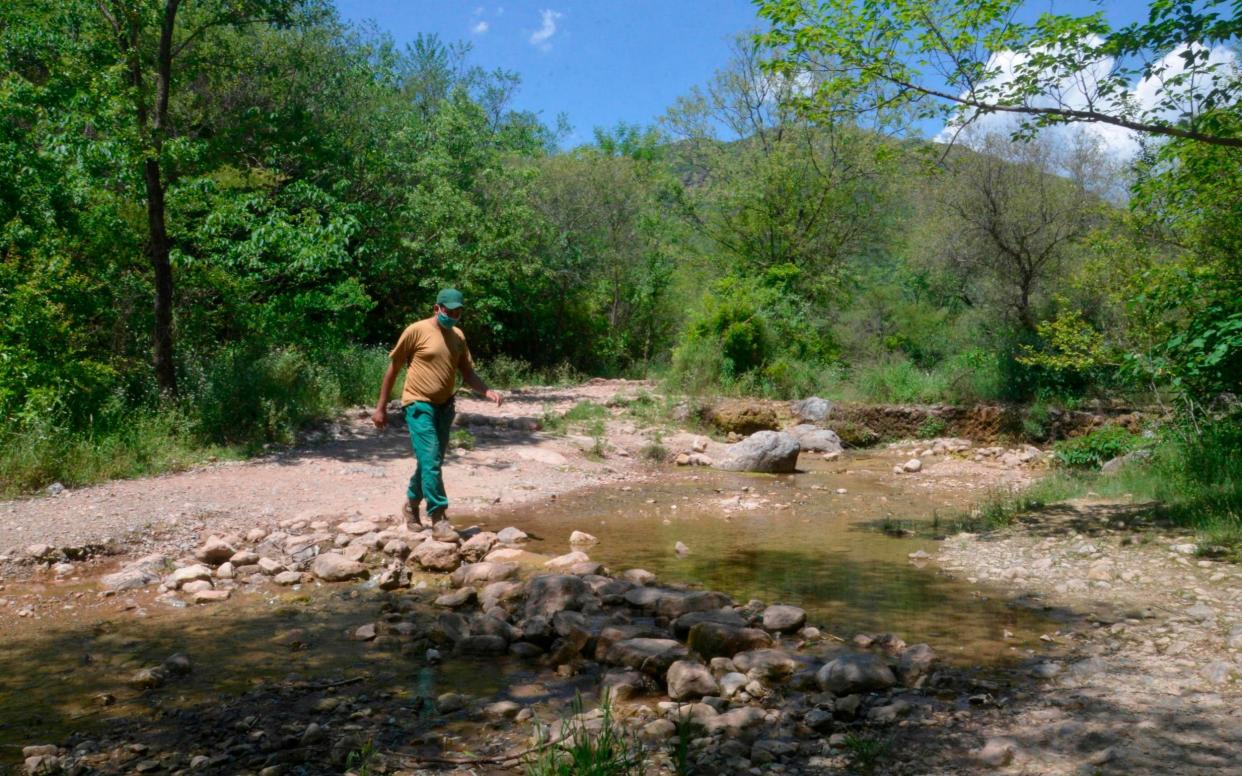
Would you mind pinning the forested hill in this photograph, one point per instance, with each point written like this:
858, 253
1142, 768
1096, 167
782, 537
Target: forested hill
218, 261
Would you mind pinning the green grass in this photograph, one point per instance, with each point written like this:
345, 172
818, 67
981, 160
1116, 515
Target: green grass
237, 403
1193, 480
610, 751
866, 752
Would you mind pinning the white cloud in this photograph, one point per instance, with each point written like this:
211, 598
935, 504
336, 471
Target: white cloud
480, 28
1081, 91
541, 37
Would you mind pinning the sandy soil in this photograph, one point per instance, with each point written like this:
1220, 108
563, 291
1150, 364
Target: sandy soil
349, 469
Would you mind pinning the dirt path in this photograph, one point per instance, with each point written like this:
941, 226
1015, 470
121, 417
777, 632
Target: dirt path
1150, 683
350, 469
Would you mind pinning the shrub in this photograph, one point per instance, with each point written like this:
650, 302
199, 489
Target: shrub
1093, 449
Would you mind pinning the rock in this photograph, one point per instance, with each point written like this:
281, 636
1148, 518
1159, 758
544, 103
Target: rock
476, 547
718, 639
396, 548
1219, 671
659, 730
689, 680
288, 578
128, 578
767, 665
443, 531
915, 662
769, 750
498, 593
816, 440
673, 603
640, 577
1235, 638
1114, 465
394, 577
226, 570
651, 656
502, 709
855, 673
196, 586
782, 619
437, 556
244, 558
187, 574
743, 417
1201, 612
482, 645
681, 549
211, 596
450, 702
588, 568
732, 683
1046, 670
355, 552
624, 685
333, 567
483, 572
540, 455
546, 595
149, 678
512, 535
365, 632
888, 713
564, 562
215, 551
683, 624
270, 567
737, 723
457, 598
41, 553
996, 752
911, 466
580, 537
358, 527
812, 409
41, 764
763, 451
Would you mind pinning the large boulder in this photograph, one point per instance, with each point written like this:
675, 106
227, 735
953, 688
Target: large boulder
915, 662
763, 451
718, 639
741, 722
498, 593
437, 556
671, 603
215, 551
811, 410
546, 595
334, 567
136, 574
688, 680
651, 656
815, 439
856, 673
683, 624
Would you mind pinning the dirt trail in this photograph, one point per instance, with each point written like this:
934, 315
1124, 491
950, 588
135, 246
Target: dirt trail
351, 469
1152, 683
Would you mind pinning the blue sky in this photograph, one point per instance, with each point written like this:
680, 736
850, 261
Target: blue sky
604, 61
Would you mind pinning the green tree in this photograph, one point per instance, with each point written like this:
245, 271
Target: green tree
962, 59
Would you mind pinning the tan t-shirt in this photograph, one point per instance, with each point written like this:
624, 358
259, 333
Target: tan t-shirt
432, 355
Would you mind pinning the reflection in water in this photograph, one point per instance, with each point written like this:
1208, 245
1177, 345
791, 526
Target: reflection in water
796, 540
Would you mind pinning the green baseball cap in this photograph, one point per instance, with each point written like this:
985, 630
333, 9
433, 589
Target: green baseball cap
450, 298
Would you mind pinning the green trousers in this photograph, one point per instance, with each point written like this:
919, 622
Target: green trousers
429, 436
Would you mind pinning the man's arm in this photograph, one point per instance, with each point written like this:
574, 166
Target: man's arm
477, 385
380, 416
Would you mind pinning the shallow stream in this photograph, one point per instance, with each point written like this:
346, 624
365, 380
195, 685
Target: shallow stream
791, 539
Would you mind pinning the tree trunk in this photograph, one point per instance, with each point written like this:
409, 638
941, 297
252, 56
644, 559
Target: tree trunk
162, 344
159, 248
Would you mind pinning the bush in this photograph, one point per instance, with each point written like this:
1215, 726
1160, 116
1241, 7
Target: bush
1091, 450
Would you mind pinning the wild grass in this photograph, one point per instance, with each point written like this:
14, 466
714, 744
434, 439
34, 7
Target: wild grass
237, 403
581, 751
1193, 480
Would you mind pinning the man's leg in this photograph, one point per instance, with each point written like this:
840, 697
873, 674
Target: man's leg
444, 423
414, 491
425, 439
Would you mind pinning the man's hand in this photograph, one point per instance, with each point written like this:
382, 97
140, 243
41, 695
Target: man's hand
493, 396
380, 417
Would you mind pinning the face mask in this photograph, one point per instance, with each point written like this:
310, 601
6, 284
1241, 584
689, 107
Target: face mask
445, 321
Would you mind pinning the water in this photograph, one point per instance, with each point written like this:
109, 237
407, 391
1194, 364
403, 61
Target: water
800, 543
788, 539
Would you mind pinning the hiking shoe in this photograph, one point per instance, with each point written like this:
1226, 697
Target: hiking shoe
409, 510
435, 517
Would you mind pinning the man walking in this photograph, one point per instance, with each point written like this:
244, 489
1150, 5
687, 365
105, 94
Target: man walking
432, 351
